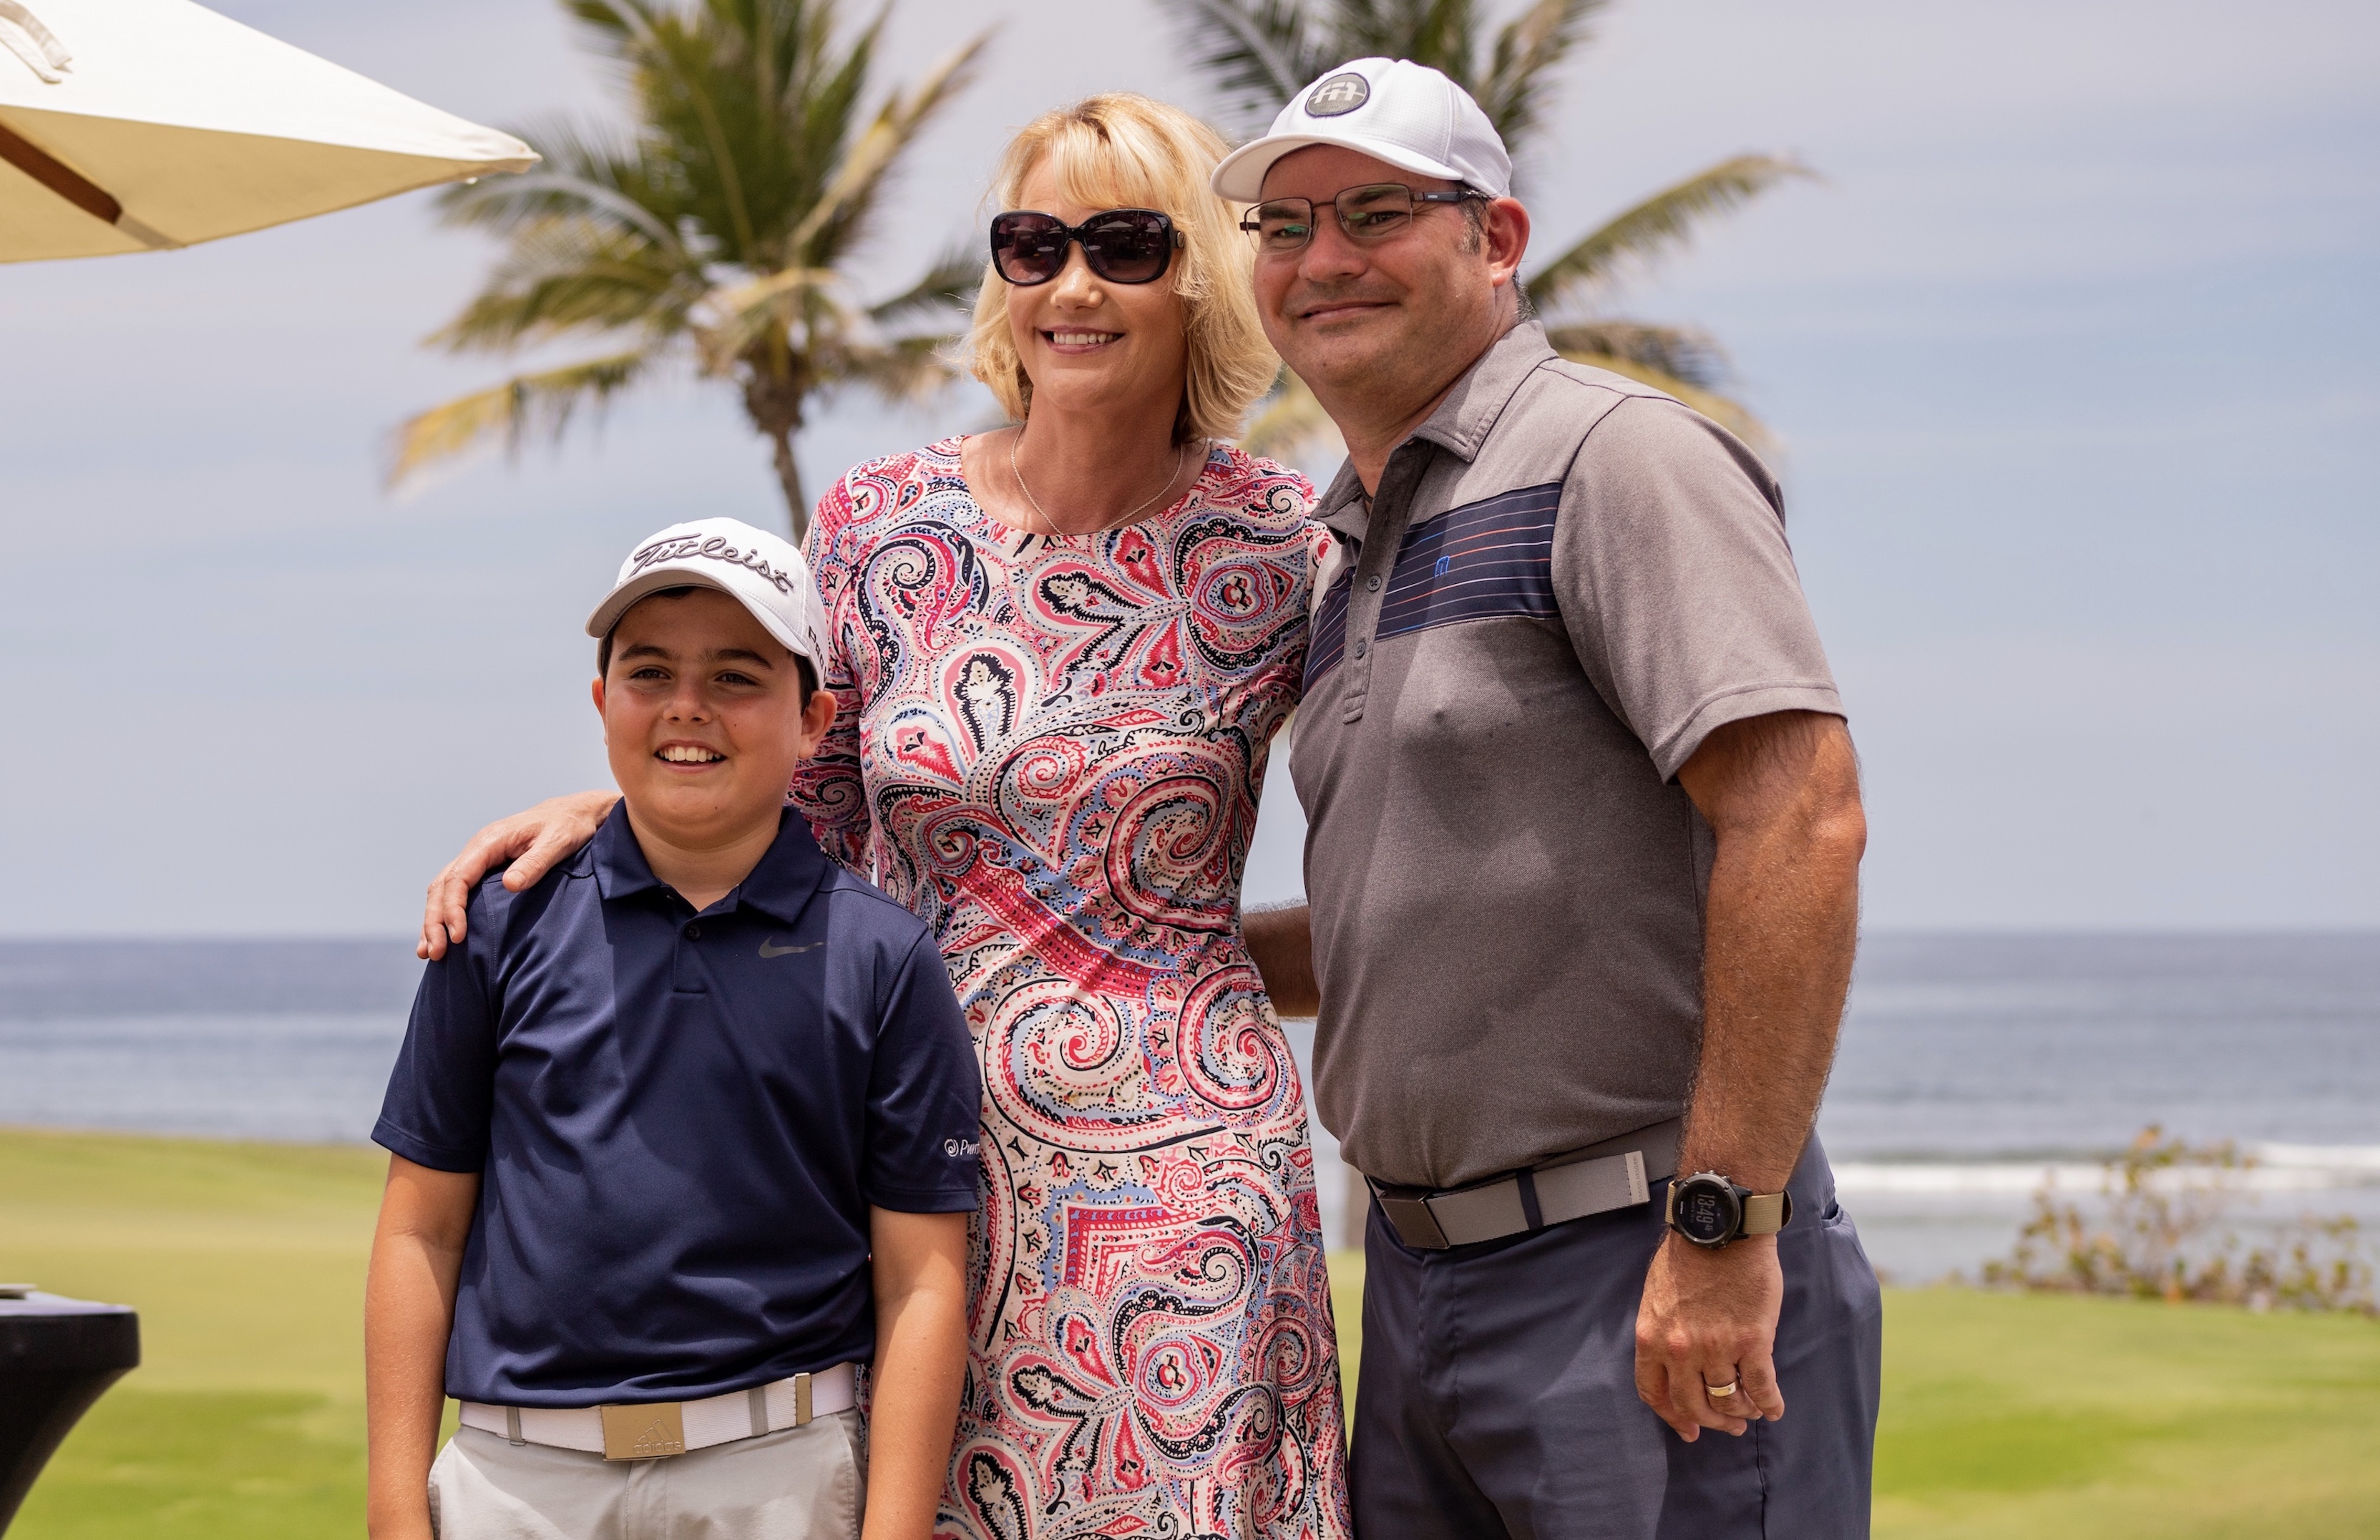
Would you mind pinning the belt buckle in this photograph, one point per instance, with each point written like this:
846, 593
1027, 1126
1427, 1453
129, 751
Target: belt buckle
1407, 1211
651, 1431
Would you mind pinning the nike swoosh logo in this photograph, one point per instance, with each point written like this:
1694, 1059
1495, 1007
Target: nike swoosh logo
767, 951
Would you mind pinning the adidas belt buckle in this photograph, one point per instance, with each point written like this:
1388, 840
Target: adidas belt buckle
647, 1432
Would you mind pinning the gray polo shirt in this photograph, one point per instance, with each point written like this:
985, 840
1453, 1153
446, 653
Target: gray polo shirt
1566, 582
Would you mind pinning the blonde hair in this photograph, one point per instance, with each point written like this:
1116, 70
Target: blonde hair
1126, 151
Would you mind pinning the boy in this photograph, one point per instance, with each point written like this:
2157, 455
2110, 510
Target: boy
680, 1134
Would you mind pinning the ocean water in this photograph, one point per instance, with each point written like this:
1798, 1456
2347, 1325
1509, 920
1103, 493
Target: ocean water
1973, 1068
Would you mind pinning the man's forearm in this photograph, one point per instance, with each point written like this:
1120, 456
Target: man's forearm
1781, 795
1282, 942
1781, 926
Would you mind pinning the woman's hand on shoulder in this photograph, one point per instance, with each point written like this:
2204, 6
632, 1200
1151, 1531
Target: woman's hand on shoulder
535, 842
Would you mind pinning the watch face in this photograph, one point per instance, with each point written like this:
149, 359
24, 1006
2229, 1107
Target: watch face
1706, 1210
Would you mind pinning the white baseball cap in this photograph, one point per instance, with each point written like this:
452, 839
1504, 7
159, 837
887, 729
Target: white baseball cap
1392, 110
760, 571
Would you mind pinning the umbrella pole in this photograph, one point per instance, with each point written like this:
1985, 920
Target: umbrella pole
75, 187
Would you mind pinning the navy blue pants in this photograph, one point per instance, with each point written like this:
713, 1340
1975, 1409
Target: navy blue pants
1497, 1391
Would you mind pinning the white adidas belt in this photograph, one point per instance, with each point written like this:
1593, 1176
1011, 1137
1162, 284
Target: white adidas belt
650, 1430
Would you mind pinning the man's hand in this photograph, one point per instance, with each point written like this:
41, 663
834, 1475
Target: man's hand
534, 841
1709, 1317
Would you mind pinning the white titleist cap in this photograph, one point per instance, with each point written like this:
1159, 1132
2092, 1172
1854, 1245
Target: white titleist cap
761, 571
1392, 110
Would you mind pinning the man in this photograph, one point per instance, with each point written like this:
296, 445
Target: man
1583, 848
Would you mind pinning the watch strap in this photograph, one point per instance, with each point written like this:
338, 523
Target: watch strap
1765, 1213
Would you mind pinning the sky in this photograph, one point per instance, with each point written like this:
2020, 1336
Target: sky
2067, 350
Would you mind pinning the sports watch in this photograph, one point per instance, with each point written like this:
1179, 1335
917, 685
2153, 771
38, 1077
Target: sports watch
1710, 1210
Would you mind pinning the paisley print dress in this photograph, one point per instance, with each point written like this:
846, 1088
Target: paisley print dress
1050, 747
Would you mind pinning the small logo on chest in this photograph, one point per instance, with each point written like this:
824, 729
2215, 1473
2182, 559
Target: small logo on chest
769, 950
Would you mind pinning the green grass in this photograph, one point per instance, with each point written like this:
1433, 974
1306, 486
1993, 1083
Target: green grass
2049, 1417
2004, 1416
247, 1264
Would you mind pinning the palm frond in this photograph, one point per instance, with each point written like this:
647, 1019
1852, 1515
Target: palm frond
580, 162
1255, 53
848, 200
1665, 220
741, 318
528, 405
613, 25
568, 274
1726, 411
1677, 352
907, 369
950, 284
1528, 49
547, 194
1435, 32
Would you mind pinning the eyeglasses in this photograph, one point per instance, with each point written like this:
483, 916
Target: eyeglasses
1368, 214
1123, 246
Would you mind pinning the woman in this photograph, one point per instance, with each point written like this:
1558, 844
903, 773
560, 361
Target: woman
1062, 650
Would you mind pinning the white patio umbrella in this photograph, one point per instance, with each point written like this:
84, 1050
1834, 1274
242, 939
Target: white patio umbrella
144, 125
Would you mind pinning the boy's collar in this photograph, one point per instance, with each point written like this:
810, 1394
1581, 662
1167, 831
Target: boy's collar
779, 886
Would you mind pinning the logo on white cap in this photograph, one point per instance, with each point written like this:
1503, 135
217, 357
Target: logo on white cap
759, 570
1341, 93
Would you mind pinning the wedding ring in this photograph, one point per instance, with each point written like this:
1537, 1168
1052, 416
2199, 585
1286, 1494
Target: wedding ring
1719, 1392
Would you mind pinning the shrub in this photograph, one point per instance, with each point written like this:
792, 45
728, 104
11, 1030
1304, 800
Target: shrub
2160, 1231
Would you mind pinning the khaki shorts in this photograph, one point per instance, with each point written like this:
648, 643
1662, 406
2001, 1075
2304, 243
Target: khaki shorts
807, 1483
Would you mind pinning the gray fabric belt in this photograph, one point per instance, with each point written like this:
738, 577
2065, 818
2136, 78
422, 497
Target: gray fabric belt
1617, 1173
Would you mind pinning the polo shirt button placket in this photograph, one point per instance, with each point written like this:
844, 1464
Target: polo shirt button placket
1383, 538
685, 969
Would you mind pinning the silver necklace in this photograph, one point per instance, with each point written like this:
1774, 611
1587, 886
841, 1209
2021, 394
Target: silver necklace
1126, 518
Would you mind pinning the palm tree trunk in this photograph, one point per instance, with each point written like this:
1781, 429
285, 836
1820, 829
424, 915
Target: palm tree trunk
789, 477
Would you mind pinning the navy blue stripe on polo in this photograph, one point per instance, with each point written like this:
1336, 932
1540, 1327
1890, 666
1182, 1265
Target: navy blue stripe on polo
1487, 560
1330, 635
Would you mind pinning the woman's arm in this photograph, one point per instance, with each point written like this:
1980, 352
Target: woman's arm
920, 1361
425, 1217
535, 842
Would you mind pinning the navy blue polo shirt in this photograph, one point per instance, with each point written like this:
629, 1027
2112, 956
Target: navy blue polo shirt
681, 1121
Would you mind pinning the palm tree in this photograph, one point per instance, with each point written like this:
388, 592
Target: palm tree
1258, 54
717, 232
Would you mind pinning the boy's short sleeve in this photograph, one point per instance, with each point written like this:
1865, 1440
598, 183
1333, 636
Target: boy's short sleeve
442, 1093
925, 1095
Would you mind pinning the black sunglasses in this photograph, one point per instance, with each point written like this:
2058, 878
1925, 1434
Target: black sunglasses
1123, 246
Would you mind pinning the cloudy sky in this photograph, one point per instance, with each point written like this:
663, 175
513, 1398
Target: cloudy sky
2069, 352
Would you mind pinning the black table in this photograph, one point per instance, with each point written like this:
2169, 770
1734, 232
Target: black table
57, 1357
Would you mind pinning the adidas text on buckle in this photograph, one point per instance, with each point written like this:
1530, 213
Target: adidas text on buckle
651, 1431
